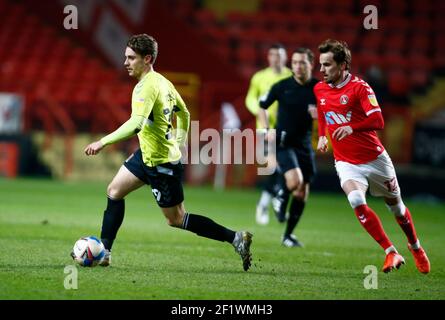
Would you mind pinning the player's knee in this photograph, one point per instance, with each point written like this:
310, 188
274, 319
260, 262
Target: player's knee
299, 194
356, 198
114, 192
293, 183
398, 209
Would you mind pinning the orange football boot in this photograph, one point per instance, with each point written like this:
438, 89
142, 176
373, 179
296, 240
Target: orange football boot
393, 260
421, 259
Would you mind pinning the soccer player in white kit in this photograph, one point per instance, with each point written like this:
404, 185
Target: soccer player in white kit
348, 109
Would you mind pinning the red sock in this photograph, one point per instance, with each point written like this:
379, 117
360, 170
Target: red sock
407, 225
371, 222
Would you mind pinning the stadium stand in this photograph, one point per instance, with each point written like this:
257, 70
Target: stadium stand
409, 27
223, 50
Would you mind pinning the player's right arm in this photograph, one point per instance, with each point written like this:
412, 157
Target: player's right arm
141, 107
263, 118
265, 102
128, 129
322, 145
253, 96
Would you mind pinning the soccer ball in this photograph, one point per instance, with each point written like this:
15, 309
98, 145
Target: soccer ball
88, 251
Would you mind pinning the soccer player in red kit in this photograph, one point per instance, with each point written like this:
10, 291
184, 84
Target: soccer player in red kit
348, 109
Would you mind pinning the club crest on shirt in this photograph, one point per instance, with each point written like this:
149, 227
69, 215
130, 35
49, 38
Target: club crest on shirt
344, 99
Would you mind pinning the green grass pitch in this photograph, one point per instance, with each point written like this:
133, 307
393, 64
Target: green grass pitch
41, 220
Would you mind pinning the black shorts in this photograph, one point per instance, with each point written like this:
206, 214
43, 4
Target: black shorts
165, 179
303, 158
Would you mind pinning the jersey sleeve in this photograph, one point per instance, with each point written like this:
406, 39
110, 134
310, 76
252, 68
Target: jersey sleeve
270, 97
128, 129
144, 98
321, 118
367, 98
253, 95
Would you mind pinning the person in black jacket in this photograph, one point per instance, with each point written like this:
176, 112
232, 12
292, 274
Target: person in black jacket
293, 134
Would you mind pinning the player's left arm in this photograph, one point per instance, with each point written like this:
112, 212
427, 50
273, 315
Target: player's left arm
312, 107
374, 119
253, 93
322, 144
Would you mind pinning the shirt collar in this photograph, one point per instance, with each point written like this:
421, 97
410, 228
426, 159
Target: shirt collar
342, 84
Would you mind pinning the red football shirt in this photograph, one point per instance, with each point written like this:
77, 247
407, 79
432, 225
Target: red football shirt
349, 102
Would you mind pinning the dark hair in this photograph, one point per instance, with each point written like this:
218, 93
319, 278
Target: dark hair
339, 49
277, 46
307, 51
144, 44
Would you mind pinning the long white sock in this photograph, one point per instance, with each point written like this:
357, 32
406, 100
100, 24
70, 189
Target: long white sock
265, 199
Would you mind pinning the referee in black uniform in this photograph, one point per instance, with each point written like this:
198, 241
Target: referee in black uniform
296, 111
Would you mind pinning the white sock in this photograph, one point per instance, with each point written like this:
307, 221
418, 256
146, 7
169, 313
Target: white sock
265, 199
398, 209
236, 239
391, 249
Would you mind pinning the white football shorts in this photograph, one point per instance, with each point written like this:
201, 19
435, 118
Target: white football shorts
378, 175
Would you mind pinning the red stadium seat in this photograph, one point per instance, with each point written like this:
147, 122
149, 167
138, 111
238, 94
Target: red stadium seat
299, 7
420, 61
4, 8
321, 20
396, 43
423, 8
273, 20
398, 83
395, 8
420, 43
365, 59
224, 52
419, 78
300, 22
349, 37
247, 71
217, 36
246, 54
422, 24
240, 20
438, 60
377, 3
344, 7
347, 23
371, 41
205, 18
394, 60
398, 26
315, 6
